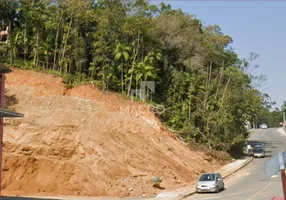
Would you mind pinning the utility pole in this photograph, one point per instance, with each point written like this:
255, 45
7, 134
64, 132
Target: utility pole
283, 118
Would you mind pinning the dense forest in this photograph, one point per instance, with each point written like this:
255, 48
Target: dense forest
207, 91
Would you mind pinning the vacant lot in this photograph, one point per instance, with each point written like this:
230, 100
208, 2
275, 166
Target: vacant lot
83, 141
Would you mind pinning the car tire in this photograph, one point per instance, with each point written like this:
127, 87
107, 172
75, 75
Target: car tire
217, 190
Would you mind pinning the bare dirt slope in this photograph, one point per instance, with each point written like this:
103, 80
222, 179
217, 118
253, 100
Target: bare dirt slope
81, 142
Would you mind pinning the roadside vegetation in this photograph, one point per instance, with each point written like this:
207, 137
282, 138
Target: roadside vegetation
207, 91
272, 118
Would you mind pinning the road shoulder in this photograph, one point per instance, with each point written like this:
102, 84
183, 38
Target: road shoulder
226, 171
281, 131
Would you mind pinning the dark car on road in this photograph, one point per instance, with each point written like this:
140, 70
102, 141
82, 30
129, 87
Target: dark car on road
259, 151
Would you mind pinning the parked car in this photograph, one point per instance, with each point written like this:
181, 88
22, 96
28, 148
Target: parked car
259, 151
210, 182
264, 126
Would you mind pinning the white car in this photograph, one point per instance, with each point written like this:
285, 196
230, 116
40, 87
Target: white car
210, 182
264, 126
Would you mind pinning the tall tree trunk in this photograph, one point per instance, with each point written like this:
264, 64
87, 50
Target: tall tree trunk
36, 53
47, 60
209, 75
190, 100
9, 31
66, 40
8, 41
133, 64
25, 45
220, 77
56, 42
142, 50
223, 95
136, 88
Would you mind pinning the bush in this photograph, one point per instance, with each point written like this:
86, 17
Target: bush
72, 80
237, 147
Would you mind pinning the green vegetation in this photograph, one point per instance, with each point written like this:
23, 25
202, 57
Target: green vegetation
271, 118
206, 89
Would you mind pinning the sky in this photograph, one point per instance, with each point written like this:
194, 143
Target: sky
255, 26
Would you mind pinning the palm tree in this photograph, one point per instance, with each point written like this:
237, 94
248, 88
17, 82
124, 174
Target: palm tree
152, 57
45, 49
144, 71
148, 64
121, 54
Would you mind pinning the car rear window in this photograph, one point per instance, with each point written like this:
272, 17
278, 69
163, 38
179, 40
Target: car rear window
258, 149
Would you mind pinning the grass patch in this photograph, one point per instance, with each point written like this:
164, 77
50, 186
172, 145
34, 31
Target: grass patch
70, 80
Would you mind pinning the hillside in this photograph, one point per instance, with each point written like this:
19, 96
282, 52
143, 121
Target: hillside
81, 142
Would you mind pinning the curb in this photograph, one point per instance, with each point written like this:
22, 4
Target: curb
281, 131
238, 168
180, 197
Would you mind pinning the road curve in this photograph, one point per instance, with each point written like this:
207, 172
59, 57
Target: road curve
249, 183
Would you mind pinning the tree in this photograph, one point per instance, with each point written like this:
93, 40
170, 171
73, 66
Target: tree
208, 92
121, 55
8, 13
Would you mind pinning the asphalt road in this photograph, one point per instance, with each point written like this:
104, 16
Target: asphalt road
249, 183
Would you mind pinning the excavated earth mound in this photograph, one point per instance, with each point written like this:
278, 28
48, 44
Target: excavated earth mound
84, 141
